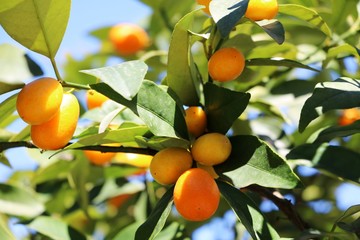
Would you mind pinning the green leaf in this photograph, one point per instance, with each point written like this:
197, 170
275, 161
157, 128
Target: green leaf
121, 135
340, 52
226, 14
125, 78
278, 62
223, 106
55, 229
160, 111
7, 107
5, 232
337, 160
252, 161
127, 232
158, 143
179, 77
247, 212
274, 29
6, 5
306, 14
4, 160
38, 24
338, 131
157, 218
78, 179
56, 171
338, 94
19, 202
348, 213
14, 67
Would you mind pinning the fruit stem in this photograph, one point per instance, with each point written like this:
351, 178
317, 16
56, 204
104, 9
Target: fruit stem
75, 85
56, 70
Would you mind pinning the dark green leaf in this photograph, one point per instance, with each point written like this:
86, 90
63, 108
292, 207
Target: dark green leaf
19, 202
34, 68
160, 112
226, 14
223, 106
4, 160
38, 25
247, 212
306, 14
339, 94
296, 87
179, 77
278, 62
338, 131
55, 229
334, 159
157, 218
125, 78
252, 161
274, 29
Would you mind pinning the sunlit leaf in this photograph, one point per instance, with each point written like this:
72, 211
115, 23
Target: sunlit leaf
157, 218
38, 24
252, 161
223, 106
55, 229
348, 213
306, 14
338, 94
159, 143
340, 52
337, 160
5, 232
278, 62
226, 14
247, 212
179, 77
19, 202
125, 78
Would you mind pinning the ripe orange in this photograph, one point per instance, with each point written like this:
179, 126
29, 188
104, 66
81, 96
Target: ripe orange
39, 100
196, 195
262, 9
95, 99
168, 164
349, 116
211, 149
119, 200
133, 159
205, 3
58, 131
128, 38
98, 157
226, 64
196, 121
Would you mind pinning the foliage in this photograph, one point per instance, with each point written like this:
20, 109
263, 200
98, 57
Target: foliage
280, 114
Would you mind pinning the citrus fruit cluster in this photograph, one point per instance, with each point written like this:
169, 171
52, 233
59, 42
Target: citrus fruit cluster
52, 114
257, 10
128, 39
196, 195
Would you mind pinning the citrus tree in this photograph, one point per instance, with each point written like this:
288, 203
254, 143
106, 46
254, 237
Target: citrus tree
214, 107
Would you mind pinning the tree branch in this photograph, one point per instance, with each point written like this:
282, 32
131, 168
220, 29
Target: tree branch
8, 145
283, 204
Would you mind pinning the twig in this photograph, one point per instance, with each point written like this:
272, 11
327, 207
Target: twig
283, 204
8, 145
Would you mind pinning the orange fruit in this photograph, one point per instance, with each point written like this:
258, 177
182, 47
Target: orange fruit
349, 116
196, 195
168, 164
133, 159
211, 149
58, 131
95, 99
128, 38
195, 118
204, 3
262, 9
226, 64
98, 157
39, 101
119, 200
